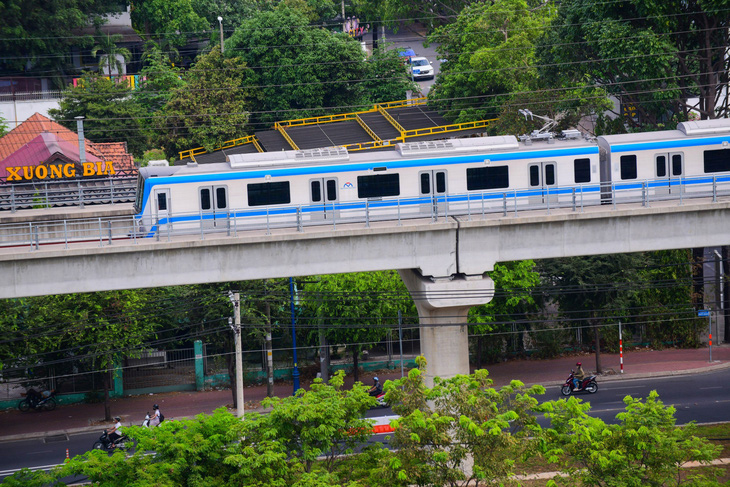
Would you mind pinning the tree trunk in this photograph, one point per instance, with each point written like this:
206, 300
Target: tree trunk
107, 404
269, 353
356, 364
698, 278
323, 356
375, 37
480, 351
599, 367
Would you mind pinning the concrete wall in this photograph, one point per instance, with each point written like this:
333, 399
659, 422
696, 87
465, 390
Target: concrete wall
18, 111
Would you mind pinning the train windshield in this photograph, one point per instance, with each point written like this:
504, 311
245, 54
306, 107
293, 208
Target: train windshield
140, 193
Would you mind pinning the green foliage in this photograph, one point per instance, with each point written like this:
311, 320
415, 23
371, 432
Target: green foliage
325, 422
461, 418
351, 308
159, 78
151, 155
386, 78
310, 66
107, 44
173, 20
4, 129
489, 51
37, 34
651, 55
110, 112
643, 448
209, 108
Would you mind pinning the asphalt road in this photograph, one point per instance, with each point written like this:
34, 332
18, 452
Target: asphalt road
704, 398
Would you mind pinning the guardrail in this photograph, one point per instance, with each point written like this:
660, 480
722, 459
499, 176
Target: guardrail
225, 145
49, 194
107, 231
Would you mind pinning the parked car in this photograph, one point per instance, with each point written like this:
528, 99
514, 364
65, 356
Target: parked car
420, 68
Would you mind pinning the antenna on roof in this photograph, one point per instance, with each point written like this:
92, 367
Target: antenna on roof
544, 132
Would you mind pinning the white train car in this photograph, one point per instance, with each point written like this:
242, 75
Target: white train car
418, 179
431, 179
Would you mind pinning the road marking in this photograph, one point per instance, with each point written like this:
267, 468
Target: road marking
39, 452
714, 387
42, 467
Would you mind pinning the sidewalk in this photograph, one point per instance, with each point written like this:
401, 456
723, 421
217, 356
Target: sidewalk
550, 373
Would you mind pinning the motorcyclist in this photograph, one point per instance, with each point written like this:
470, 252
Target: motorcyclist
578, 376
156, 416
116, 432
377, 388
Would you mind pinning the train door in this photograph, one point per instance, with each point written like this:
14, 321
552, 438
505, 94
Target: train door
669, 168
543, 183
162, 210
433, 184
323, 195
213, 206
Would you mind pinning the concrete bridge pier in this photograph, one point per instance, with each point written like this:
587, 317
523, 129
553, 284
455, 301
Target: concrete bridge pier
443, 304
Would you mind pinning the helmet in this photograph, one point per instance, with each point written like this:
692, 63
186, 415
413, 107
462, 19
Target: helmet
375, 379
155, 407
578, 364
117, 418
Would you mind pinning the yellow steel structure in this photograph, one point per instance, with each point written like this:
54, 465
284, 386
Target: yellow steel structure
376, 143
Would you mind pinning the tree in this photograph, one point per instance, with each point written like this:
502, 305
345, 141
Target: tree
354, 309
489, 52
110, 61
174, 20
210, 108
513, 283
643, 448
385, 77
34, 35
460, 419
3, 127
308, 71
111, 114
94, 330
653, 56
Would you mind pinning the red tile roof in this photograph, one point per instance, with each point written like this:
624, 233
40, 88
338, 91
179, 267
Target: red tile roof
37, 124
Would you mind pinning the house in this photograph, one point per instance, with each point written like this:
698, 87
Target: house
39, 141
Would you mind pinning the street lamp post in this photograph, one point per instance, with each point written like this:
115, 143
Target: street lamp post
220, 23
295, 372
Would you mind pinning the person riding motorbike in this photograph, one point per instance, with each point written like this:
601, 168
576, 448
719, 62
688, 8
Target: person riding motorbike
377, 388
116, 432
578, 376
156, 416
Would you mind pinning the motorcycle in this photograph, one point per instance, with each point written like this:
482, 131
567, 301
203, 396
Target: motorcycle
104, 443
146, 422
588, 384
37, 401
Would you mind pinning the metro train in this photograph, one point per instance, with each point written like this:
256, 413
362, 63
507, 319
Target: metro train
430, 178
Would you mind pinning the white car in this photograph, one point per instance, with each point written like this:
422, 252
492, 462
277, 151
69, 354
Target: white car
420, 68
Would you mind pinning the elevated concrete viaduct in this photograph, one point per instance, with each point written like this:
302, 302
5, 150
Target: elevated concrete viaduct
445, 265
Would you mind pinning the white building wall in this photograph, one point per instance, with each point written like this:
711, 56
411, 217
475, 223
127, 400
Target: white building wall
16, 112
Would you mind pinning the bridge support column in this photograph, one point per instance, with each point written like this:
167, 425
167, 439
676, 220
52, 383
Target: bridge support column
443, 305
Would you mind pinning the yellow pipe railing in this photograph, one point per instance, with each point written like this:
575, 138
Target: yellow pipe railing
392, 121
225, 145
282, 131
370, 132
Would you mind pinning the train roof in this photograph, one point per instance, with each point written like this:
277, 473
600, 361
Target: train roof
339, 155
697, 128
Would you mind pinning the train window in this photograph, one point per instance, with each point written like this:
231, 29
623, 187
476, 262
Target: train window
534, 176
661, 166
221, 198
440, 182
378, 186
425, 183
162, 201
582, 170
628, 167
677, 164
331, 190
316, 192
205, 203
263, 194
495, 177
549, 174
717, 160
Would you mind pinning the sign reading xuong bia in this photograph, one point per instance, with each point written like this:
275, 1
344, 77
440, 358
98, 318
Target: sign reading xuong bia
59, 171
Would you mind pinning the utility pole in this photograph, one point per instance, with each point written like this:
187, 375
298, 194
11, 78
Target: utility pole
236, 326
718, 294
